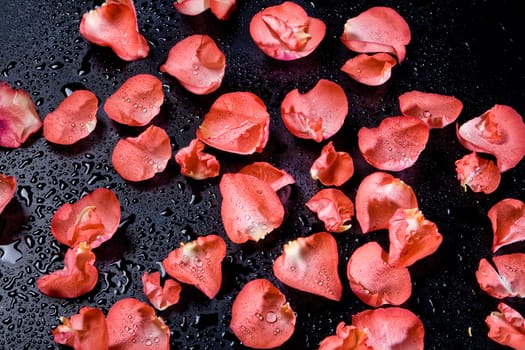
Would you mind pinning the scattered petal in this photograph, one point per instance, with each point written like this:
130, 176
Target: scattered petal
333, 208
436, 110
507, 280
7, 190
85, 331
161, 297
195, 163
508, 222
346, 338
222, 9
371, 70
191, 7
266, 172
507, 327
332, 168
478, 173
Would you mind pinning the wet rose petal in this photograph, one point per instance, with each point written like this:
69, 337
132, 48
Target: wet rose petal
137, 101
508, 222
195, 163
148, 330
78, 277
250, 208
332, 168
333, 208
378, 196
478, 173
500, 131
93, 219
310, 264
375, 282
317, 114
197, 63
140, 158
222, 9
18, 116
395, 144
237, 122
506, 327
378, 29
198, 263
507, 280
84, 331
191, 7
266, 172
436, 110
261, 316
412, 237
285, 32
74, 118
372, 70
346, 338
114, 25
161, 297
391, 328
7, 190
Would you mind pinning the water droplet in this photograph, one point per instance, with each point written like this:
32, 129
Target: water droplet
26, 194
9, 253
271, 317
73, 125
148, 342
276, 331
56, 65
197, 261
427, 114
390, 149
259, 316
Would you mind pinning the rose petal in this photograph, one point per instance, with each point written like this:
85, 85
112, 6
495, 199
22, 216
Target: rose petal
7, 190
85, 331
191, 7
161, 297
346, 338
222, 9
332, 168
195, 163
436, 110
508, 222
333, 208
480, 174
507, 327
371, 70
266, 172
507, 280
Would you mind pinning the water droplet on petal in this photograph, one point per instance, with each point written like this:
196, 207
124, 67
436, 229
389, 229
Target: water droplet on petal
271, 317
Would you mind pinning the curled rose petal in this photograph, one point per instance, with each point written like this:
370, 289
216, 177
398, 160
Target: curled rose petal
436, 110
412, 237
391, 328
140, 158
285, 32
346, 338
261, 316
237, 122
191, 7
250, 208
161, 297
478, 173
378, 196
371, 70
500, 131
85, 331
508, 222
197, 63
198, 263
137, 101
92, 219
310, 264
114, 25
18, 116
317, 114
375, 282
507, 280
332, 168
78, 277
222, 9
507, 327
395, 144
266, 172
7, 190
333, 208
378, 29
195, 163
148, 331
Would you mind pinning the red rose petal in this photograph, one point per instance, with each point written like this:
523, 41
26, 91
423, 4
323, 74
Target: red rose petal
198, 263
191, 7
261, 316
332, 168
436, 110
114, 24
412, 237
317, 114
508, 222
371, 70
346, 338
507, 327
18, 116
7, 190
78, 277
161, 297
85, 331
333, 208
133, 325
266, 172
507, 280
250, 208
378, 196
140, 158
500, 131
137, 101
195, 163
378, 29
480, 174
197, 63
222, 9
93, 219
237, 122
285, 32
310, 264
375, 282
391, 328
395, 144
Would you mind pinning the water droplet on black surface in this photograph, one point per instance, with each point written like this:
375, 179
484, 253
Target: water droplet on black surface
25, 193
68, 89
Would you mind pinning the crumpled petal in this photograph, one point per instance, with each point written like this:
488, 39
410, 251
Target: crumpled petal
508, 222
161, 297
86, 330
346, 338
478, 173
195, 163
266, 172
372, 70
507, 327
507, 280
7, 190
436, 110
333, 208
332, 168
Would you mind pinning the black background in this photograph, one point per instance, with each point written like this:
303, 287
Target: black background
472, 51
